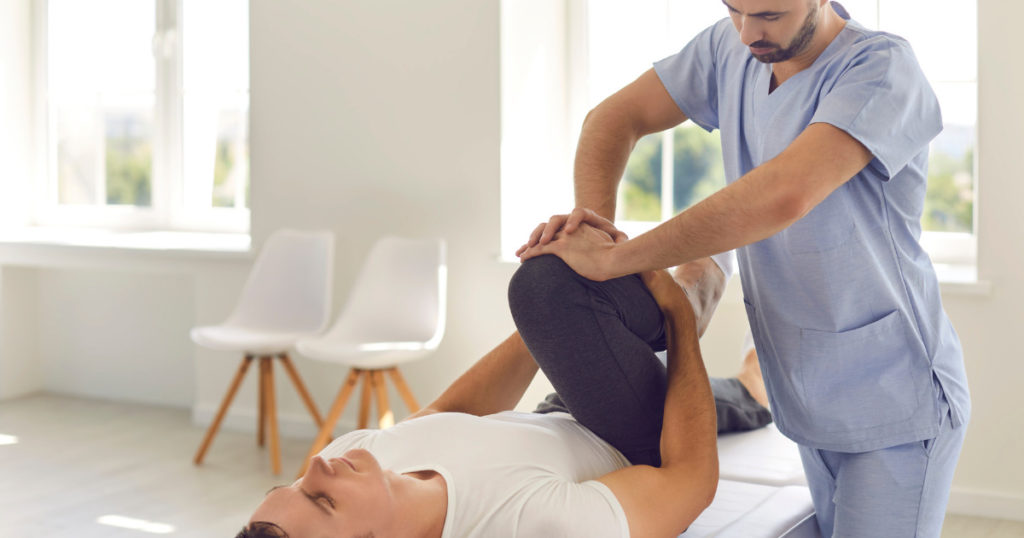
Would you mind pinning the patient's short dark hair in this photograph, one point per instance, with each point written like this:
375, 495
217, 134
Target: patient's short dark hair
262, 529
265, 529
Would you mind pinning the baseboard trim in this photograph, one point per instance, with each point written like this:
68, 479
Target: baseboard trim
292, 425
970, 502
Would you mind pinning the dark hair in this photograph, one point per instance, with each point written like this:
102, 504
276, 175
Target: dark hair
265, 529
262, 529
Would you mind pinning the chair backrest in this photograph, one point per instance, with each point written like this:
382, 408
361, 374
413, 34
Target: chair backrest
289, 286
400, 295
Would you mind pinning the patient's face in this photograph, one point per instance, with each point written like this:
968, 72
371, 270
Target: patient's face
350, 495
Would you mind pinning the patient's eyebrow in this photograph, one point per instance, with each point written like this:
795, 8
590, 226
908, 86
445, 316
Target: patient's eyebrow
306, 494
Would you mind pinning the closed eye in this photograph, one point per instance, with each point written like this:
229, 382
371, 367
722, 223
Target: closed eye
320, 500
321, 497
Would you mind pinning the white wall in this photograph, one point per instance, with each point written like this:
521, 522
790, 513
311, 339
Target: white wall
99, 331
383, 116
16, 84
375, 118
990, 477
17, 333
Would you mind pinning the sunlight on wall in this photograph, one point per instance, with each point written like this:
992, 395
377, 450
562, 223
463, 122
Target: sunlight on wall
135, 524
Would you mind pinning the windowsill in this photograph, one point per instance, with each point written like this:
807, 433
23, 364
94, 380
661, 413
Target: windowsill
68, 247
961, 280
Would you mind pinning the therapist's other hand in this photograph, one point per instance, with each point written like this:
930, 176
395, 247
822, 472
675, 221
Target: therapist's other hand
545, 231
587, 250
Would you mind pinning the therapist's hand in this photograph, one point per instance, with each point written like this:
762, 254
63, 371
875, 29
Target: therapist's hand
545, 232
587, 250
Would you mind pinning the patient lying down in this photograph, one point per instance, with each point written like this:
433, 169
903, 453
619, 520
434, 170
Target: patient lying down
469, 466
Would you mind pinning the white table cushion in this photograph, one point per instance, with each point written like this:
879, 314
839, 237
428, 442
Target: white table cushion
743, 510
761, 456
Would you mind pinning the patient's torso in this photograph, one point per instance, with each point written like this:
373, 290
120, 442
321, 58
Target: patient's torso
508, 474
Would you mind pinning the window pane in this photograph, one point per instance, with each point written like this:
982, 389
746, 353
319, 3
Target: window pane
231, 168
101, 95
129, 155
943, 33
623, 38
640, 191
216, 103
100, 45
687, 19
215, 38
863, 11
697, 169
79, 132
949, 201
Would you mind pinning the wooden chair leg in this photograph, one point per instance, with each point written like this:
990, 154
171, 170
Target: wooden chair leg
364, 404
301, 388
212, 431
386, 417
403, 390
332, 417
262, 405
275, 445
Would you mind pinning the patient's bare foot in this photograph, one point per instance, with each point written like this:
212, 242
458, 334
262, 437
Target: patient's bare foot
750, 377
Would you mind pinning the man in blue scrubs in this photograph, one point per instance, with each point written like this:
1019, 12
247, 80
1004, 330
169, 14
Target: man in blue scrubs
825, 127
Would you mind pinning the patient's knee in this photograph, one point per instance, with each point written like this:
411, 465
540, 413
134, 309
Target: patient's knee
537, 283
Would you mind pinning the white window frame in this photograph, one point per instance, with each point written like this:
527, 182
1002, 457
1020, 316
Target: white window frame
167, 210
945, 248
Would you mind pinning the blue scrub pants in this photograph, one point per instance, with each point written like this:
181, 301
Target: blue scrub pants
896, 492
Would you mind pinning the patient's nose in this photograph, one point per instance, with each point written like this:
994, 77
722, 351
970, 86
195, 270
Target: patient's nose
319, 466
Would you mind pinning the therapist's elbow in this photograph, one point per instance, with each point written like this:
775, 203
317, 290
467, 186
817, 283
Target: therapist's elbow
786, 206
615, 117
791, 207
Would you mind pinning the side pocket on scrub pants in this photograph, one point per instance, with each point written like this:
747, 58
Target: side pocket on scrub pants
860, 378
752, 321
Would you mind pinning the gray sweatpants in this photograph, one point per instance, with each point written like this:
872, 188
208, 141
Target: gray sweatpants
597, 342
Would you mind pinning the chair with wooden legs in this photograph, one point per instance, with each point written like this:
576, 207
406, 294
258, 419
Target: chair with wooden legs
394, 314
287, 296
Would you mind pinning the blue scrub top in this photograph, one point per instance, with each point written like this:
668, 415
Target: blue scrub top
844, 304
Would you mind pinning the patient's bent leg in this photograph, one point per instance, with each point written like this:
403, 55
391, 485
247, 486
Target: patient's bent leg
596, 343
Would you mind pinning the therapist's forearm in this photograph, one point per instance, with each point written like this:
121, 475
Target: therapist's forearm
606, 140
742, 213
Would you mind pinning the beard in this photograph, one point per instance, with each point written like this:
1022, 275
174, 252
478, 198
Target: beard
797, 45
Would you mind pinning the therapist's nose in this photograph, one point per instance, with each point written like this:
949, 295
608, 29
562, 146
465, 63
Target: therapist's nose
750, 30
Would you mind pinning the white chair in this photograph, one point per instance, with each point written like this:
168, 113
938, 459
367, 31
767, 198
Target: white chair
287, 296
395, 314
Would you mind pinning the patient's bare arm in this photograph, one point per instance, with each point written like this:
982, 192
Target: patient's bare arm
495, 383
663, 501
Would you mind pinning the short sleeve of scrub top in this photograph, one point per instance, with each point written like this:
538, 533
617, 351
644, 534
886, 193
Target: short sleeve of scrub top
691, 76
884, 101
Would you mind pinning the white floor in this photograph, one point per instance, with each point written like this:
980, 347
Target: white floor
78, 460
